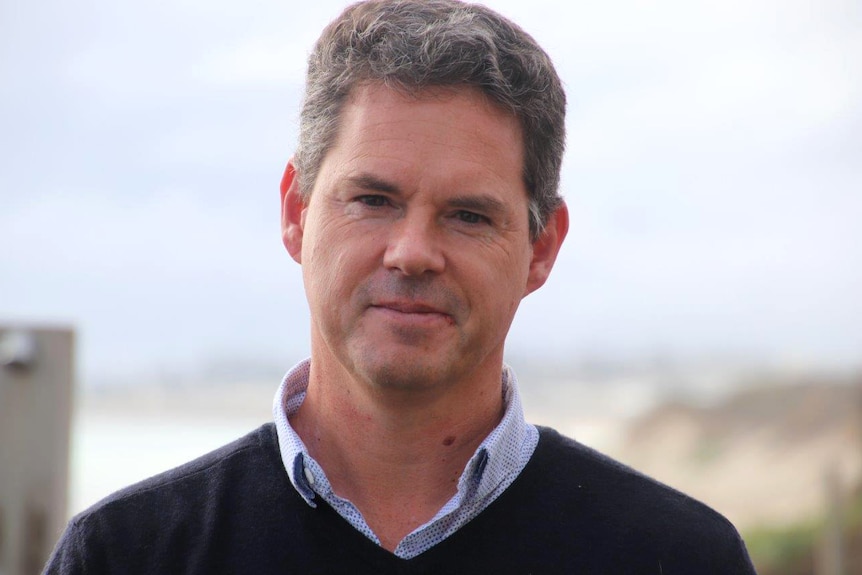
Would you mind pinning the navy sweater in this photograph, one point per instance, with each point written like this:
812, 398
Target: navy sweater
572, 510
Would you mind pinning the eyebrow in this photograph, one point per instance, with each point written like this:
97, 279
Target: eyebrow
483, 203
373, 183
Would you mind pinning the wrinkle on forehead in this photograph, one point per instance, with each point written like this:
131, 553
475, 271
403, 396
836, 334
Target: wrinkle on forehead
387, 130
380, 93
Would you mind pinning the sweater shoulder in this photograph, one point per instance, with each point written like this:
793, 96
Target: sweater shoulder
575, 510
206, 516
624, 495
229, 461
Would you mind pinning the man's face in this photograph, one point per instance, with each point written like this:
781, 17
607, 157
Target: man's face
415, 243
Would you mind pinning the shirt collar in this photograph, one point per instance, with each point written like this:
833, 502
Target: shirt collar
487, 468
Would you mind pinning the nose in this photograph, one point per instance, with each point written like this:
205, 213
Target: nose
414, 247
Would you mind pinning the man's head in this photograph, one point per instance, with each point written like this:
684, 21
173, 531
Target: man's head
412, 45
422, 203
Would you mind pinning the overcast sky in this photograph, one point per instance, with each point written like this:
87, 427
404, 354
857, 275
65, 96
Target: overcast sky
713, 174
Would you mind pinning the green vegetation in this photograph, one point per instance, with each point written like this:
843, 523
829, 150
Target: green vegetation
707, 451
792, 549
783, 549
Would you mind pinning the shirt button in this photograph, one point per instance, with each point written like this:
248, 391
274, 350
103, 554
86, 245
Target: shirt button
309, 476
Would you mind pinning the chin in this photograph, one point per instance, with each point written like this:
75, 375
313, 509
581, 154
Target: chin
404, 373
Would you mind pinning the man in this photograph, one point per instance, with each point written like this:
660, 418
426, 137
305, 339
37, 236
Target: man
422, 205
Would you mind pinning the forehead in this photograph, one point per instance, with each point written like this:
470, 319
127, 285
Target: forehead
462, 100
445, 130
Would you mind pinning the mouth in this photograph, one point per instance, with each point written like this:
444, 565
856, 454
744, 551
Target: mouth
412, 311
409, 307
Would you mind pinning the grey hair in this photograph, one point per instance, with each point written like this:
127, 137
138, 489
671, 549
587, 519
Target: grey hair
414, 44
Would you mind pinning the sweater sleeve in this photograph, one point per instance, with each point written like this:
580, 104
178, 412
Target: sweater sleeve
715, 549
737, 555
69, 554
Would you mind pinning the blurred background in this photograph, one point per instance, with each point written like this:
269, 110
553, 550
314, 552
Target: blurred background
703, 322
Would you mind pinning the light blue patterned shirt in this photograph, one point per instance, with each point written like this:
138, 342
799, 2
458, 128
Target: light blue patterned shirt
496, 463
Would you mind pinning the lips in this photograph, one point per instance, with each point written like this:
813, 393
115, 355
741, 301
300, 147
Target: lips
410, 307
411, 299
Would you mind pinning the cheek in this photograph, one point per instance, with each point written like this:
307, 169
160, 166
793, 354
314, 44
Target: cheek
334, 270
497, 287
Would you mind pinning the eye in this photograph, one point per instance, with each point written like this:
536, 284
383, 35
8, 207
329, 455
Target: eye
471, 217
373, 201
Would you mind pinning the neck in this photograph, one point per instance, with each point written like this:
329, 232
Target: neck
396, 455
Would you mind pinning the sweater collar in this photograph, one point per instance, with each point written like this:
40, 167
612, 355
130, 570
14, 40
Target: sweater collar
490, 466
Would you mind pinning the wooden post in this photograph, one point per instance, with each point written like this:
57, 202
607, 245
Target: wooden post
831, 556
36, 367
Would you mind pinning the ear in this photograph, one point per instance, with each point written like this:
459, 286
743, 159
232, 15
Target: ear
292, 212
546, 247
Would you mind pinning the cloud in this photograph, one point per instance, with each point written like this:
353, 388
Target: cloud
712, 176
255, 62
